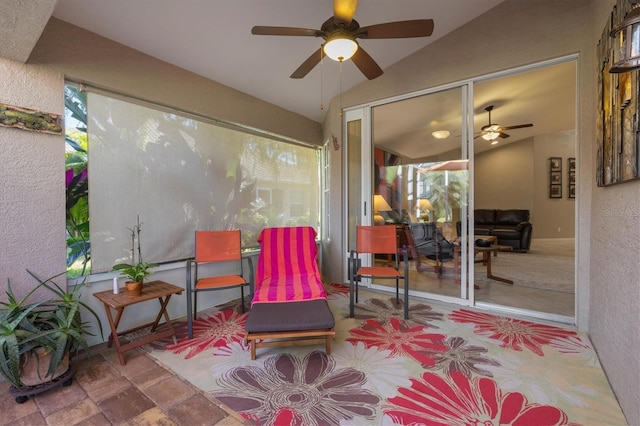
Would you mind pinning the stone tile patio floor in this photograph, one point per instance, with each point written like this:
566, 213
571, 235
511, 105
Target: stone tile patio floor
103, 392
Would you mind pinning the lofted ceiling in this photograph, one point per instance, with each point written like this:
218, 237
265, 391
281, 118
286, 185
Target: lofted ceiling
213, 39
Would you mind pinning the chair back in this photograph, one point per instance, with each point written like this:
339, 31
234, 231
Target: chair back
218, 246
376, 239
288, 265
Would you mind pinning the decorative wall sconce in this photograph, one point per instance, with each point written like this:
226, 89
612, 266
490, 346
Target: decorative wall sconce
626, 47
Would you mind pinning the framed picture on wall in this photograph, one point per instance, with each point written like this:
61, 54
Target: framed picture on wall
555, 191
572, 191
556, 178
555, 164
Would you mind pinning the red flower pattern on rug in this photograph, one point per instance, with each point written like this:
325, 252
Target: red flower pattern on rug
514, 334
460, 400
211, 332
399, 337
294, 387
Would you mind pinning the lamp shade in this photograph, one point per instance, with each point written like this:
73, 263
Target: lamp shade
380, 204
340, 48
425, 204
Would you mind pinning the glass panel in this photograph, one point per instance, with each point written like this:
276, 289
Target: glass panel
512, 178
422, 174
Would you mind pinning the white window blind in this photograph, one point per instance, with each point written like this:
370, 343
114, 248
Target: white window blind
180, 174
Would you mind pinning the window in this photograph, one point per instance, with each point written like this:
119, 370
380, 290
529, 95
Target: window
181, 173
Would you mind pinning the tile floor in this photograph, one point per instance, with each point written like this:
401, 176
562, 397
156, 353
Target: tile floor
103, 392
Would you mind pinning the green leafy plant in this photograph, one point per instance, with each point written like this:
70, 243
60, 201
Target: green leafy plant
136, 270
54, 325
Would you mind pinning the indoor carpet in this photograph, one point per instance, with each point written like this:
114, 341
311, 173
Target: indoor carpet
446, 365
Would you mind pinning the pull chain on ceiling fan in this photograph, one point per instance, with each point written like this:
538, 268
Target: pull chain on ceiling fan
341, 32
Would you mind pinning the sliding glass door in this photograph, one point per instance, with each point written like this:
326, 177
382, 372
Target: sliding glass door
411, 154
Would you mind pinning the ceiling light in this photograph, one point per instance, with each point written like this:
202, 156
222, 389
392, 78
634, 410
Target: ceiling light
441, 134
494, 142
340, 48
490, 136
626, 49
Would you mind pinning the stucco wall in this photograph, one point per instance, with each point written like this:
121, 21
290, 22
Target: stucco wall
32, 189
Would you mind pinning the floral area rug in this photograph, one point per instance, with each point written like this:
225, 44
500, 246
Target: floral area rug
444, 366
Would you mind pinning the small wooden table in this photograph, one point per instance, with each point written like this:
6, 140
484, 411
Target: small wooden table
152, 290
486, 260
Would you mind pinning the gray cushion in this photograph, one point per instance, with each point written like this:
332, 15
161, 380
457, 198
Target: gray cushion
289, 316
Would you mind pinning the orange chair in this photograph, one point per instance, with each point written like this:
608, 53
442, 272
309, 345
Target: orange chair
377, 240
215, 247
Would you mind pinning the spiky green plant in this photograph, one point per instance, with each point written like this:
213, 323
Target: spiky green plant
54, 325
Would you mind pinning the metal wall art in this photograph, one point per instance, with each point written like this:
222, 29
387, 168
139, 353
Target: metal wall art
617, 124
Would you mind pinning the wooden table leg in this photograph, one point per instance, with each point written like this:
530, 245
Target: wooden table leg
490, 274
163, 311
114, 331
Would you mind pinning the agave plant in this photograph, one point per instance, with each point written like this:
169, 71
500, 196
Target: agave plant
54, 325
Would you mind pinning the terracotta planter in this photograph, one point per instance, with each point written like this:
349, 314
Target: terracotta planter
134, 288
35, 366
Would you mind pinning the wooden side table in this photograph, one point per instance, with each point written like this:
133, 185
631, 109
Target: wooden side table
152, 290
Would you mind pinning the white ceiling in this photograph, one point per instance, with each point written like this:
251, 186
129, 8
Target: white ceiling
213, 38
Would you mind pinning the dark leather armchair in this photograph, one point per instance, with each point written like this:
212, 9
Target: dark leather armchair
425, 239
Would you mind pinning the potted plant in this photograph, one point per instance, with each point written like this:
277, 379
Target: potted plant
136, 271
37, 339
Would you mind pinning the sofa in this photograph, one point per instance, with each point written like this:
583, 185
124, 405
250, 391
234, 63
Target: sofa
511, 227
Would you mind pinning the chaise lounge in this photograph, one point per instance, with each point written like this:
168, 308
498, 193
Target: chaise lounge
289, 305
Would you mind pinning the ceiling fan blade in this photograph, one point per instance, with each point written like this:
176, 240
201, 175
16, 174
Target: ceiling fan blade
285, 31
344, 10
400, 29
519, 126
366, 64
503, 135
308, 65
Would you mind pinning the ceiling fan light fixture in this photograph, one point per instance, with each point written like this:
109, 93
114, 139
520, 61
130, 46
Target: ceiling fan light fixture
340, 48
441, 134
626, 52
490, 136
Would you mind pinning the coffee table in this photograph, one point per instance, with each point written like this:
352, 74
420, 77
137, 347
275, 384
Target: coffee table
486, 257
152, 290
486, 260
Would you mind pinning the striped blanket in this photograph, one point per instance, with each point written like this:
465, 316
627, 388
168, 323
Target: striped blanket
287, 268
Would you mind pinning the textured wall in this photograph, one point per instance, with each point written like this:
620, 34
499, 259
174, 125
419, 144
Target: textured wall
32, 190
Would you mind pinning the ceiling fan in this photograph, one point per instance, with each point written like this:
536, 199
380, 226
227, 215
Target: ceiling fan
492, 131
340, 33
